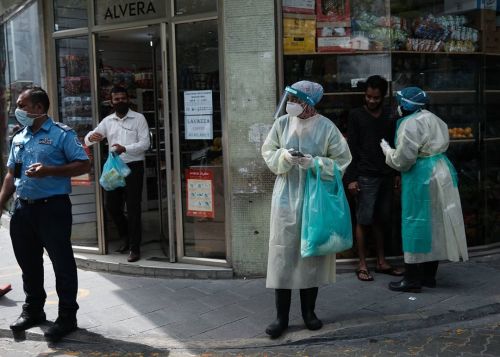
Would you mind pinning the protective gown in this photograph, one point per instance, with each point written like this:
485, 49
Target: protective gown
428, 184
319, 137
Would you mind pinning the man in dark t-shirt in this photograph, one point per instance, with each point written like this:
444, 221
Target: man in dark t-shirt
369, 179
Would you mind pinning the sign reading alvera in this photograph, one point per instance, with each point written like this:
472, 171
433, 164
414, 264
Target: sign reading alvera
115, 11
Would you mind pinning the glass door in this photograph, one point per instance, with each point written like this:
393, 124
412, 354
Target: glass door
134, 59
200, 200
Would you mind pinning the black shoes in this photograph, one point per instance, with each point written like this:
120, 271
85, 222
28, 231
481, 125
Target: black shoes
133, 257
27, 320
62, 327
407, 286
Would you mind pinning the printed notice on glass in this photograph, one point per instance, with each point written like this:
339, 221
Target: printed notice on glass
200, 193
198, 102
198, 127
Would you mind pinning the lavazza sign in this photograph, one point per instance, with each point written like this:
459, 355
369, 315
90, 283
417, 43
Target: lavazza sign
113, 11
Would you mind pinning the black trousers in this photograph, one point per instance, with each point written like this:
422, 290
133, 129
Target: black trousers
129, 226
45, 224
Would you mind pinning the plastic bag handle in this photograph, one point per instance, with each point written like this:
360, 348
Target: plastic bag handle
336, 181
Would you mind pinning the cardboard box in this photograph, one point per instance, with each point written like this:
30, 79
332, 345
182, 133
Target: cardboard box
299, 44
341, 10
328, 31
334, 44
293, 26
299, 6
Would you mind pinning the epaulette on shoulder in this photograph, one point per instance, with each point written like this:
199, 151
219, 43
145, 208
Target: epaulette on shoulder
63, 126
17, 131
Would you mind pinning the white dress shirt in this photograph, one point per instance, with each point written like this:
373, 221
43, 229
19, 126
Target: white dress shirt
131, 131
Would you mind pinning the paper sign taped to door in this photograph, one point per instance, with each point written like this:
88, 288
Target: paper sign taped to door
200, 193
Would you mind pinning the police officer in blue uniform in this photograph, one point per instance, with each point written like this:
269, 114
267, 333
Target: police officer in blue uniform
44, 155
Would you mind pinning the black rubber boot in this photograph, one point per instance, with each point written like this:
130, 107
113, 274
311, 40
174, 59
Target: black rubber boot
283, 298
307, 305
428, 272
411, 281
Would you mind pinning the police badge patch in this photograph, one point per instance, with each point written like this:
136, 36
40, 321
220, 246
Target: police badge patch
45, 141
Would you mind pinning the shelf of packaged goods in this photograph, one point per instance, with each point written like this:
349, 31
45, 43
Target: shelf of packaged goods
195, 90
458, 91
439, 53
472, 140
343, 53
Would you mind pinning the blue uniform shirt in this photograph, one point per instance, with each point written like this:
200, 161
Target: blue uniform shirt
55, 144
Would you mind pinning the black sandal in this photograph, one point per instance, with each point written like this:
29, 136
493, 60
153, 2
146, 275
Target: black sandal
369, 277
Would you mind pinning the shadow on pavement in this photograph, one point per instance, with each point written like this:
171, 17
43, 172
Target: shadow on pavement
5, 301
86, 343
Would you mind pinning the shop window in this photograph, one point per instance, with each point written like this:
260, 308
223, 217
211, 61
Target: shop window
70, 14
75, 110
4, 139
200, 134
21, 62
190, 7
448, 48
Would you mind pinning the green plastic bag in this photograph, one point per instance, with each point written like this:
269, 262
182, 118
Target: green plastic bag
114, 172
326, 218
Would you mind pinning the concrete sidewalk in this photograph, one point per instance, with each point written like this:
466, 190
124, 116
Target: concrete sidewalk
185, 313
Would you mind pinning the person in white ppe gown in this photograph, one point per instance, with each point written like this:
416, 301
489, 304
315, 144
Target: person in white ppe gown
302, 131
432, 221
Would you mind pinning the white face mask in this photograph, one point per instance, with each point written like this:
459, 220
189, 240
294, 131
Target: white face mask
294, 109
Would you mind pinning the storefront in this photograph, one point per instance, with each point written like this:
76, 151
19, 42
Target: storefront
168, 60
206, 74
450, 48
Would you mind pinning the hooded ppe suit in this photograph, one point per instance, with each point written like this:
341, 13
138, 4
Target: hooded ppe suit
432, 225
319, 137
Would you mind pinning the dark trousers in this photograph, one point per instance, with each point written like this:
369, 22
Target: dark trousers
38, 225
129, 226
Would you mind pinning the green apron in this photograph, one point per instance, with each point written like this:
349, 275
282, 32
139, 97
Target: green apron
416, 201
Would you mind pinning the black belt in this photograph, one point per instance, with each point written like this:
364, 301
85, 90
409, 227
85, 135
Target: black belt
28, 201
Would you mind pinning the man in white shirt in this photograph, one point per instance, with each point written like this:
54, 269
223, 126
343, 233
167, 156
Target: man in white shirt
128, 135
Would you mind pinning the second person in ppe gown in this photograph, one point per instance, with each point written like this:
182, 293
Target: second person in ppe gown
432, 221
314, 135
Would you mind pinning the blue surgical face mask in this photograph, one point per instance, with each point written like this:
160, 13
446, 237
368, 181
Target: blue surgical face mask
23, 118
